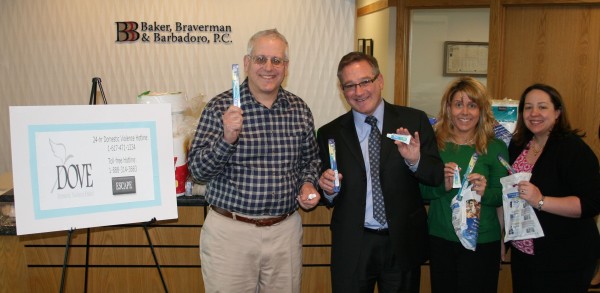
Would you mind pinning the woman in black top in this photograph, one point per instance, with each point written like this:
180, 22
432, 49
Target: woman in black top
564, 190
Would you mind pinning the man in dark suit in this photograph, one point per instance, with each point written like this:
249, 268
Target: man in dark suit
370, 247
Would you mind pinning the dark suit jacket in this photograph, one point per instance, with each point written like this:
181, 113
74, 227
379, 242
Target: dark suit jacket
406, 215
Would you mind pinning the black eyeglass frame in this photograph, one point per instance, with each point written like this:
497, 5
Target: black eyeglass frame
362, 84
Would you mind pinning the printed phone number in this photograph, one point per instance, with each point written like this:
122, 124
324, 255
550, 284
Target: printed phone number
122, 169
123, 147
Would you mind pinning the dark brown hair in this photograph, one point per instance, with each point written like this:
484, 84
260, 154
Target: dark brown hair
357, 57
562, 126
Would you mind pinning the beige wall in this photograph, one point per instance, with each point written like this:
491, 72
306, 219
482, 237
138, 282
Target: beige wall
51, 50
429, 29
380, 26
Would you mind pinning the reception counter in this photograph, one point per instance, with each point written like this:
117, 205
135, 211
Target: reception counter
120, 259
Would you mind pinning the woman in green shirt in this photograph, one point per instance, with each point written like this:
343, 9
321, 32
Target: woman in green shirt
465, 126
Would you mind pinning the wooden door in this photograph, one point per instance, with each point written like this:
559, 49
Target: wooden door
558, 45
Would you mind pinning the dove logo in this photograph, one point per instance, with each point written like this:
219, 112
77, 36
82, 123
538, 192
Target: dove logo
70, 175
74, 175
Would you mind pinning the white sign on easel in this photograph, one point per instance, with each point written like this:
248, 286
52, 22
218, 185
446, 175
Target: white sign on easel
90, 166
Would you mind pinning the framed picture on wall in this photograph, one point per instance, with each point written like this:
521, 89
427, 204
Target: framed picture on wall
365, 46
465, 58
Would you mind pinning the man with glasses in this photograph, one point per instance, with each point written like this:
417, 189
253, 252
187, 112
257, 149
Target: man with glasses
379, 223
260, 162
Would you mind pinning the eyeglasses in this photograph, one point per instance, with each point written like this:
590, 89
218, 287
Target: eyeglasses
262, 60
352, 87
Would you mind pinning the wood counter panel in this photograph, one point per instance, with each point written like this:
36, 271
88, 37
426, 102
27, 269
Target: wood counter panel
13, 269
120, 259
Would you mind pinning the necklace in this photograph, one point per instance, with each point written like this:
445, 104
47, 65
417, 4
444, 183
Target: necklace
468, 142
536, 150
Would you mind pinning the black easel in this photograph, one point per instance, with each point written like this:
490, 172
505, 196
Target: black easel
97, 83
87, 253
66, 260
154, 253
87, 259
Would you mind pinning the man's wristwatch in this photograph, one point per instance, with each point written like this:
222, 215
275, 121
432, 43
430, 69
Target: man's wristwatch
541, 203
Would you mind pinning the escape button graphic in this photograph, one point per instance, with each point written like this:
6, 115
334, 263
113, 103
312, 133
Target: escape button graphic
123, 185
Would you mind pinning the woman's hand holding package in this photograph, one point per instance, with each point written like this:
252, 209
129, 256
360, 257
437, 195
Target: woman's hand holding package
529, 193
449, 169
479, 183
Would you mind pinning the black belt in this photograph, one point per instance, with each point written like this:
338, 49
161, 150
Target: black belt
381, 231
258, 222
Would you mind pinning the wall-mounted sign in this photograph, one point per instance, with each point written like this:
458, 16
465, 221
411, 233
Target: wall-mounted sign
89, 166
465, 58
177, 32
